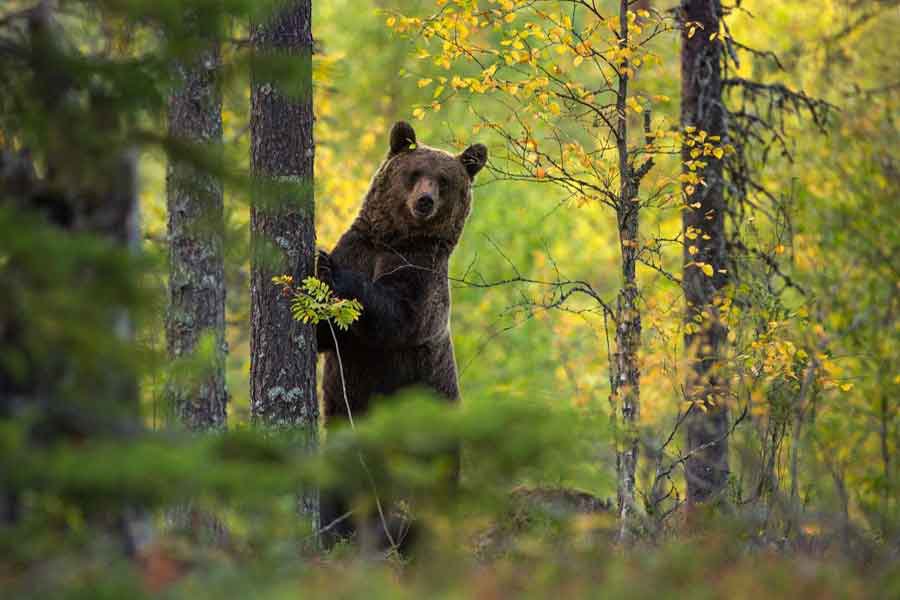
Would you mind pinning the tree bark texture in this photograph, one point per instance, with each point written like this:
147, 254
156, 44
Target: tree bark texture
626, 372
704, 230
283, 351
196, 249
626, 392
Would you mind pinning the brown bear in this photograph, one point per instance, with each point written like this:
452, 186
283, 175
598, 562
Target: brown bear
394, 260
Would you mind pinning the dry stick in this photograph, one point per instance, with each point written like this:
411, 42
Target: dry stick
362, 461
331, 525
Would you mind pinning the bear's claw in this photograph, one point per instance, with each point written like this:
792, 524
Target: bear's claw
324, 271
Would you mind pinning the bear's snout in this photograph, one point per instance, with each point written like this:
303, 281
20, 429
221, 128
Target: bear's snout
424, 205
424, 198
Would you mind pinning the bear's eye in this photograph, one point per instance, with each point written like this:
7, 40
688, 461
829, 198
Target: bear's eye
443, 183
414, 177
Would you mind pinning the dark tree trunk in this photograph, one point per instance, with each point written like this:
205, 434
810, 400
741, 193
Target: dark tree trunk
118, 218
704, 231
283, 351
198, 399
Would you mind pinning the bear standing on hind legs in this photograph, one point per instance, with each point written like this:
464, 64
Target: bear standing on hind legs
394, 259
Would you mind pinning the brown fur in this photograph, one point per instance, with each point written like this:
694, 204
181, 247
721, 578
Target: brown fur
394, 260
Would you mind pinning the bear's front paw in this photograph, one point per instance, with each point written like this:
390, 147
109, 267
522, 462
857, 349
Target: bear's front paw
324, 269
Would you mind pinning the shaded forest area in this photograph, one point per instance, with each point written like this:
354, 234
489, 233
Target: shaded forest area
675, 304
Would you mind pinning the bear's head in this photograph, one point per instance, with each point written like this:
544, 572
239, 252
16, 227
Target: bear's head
420, 192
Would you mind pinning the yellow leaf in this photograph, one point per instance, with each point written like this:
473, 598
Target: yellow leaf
707, 269
847, 387
718, 153
419, 113
390, 21
692, 250
578, 60
424, 82
540, 173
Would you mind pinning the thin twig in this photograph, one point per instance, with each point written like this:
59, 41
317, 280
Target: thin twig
362, 460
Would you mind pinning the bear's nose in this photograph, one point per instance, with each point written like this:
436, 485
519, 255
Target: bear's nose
424, 205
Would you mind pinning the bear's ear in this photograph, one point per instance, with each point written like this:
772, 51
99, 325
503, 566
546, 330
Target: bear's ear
403, 137
473, 158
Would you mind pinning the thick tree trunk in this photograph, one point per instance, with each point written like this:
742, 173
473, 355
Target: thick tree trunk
118, 218
704, 233
283, 351
196, 254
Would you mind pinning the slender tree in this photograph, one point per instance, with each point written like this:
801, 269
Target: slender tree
625, 373
283, 351
577, 131
703, 226
196, 255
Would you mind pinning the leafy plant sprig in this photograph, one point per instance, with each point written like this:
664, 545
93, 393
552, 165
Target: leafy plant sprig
313, 302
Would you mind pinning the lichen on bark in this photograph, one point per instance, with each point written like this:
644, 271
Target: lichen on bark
197, 394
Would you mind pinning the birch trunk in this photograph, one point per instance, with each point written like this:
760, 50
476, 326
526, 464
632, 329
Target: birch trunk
626, 392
